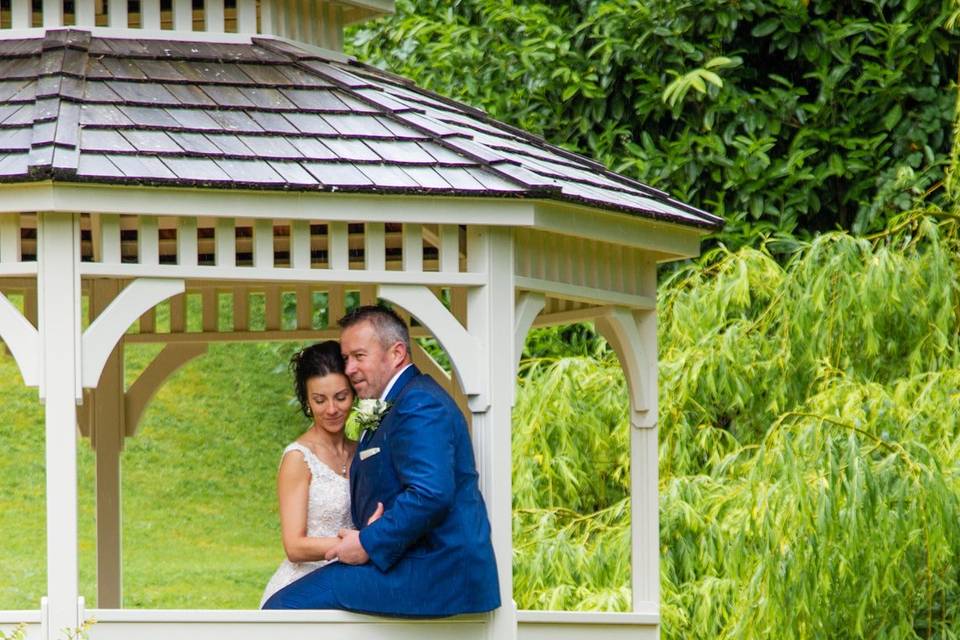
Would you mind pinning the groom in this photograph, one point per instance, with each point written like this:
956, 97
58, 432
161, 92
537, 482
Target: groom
429, 554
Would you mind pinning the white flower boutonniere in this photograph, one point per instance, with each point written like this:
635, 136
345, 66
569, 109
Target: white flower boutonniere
370, 412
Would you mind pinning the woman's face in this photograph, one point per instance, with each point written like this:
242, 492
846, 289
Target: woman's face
330, 398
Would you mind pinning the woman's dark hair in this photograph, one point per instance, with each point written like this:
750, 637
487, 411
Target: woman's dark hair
316, 360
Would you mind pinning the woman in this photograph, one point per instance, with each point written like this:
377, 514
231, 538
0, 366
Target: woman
313, 483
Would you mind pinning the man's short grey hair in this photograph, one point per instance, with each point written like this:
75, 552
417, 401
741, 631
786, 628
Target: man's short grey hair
389, 326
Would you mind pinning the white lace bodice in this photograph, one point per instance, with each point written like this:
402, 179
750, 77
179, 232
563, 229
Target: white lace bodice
328, 511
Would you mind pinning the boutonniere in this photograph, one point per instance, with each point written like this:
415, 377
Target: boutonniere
370, 412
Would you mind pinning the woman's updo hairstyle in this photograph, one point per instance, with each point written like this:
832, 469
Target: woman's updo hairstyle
318, 359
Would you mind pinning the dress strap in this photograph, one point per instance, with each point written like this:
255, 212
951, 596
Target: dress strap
316, 466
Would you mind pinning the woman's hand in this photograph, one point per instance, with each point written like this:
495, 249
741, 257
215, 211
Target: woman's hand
376, 514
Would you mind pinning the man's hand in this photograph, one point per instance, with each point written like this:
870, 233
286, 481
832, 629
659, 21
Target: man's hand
349, 551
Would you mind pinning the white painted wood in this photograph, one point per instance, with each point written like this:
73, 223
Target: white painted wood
225, 237
145, 387
268, 19
106, 434
22, 340
374, 248
412, 247
20, 17
213, 16
58, 282
171, 201
586, 314
52, 13
490, 322
449, 248
84, 14
117, 14
187, 242
102, 335
263, 244
9, 237
338, 250
246, 16
588, 295
18, 269
622, 329
300, 244
464, 349
109, 241
148, 242
150, 15
573, 631
280, 275
589, 617
529, 306
270, 625
183, 15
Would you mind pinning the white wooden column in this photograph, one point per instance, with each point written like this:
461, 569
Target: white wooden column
490, 311
58, 282
107, 431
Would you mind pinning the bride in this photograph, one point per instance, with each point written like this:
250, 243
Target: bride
313, 482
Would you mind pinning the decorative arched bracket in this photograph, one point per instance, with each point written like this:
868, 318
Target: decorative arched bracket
529, 306
23, 341
462, 348
102, 335
141, 392
633, 336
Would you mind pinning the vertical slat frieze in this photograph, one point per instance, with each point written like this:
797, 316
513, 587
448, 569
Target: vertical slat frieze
150, 15
183, 15
246, 16
10, 237
226, 243
148, 241
20, 17
263, 244
368, 294
338, 247
449, 248
300, 244
213, 16
267, 17
85, 15
304, 307
631, 272
274, 308
241, 309
52, 13
375, 247
117, 14
413, 247
109, 231
187, 242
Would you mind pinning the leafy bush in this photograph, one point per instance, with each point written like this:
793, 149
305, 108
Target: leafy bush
809, 439
782, 116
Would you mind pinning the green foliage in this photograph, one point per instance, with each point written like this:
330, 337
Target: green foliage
781, 116
808, 447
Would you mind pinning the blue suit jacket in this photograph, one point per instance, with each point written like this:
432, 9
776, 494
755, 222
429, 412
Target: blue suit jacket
432, 545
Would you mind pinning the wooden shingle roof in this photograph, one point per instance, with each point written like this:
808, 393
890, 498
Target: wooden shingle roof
271, 115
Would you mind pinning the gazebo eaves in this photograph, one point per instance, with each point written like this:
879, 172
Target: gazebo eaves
274, 116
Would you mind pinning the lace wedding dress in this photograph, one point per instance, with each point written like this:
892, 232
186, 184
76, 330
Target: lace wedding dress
328, 511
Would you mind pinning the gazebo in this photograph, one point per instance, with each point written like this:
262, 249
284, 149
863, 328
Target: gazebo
154, 150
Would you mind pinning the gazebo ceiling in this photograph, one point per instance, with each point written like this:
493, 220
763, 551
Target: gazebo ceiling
272, 115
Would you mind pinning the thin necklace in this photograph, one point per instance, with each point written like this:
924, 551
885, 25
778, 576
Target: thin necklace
346, 456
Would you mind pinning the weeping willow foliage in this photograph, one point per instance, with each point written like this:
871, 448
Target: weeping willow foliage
809, 447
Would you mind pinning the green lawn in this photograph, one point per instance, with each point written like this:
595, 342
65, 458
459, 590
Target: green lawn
200, 527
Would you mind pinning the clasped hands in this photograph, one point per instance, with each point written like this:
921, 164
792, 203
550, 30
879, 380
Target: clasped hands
349, 550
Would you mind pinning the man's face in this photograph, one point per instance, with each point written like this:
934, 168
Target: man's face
369, 366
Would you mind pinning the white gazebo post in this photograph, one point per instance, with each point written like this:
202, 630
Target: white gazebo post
58, 284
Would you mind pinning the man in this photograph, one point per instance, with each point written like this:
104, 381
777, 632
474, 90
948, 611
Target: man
429, 554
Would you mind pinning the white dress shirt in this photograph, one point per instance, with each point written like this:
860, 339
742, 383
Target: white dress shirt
393, 381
